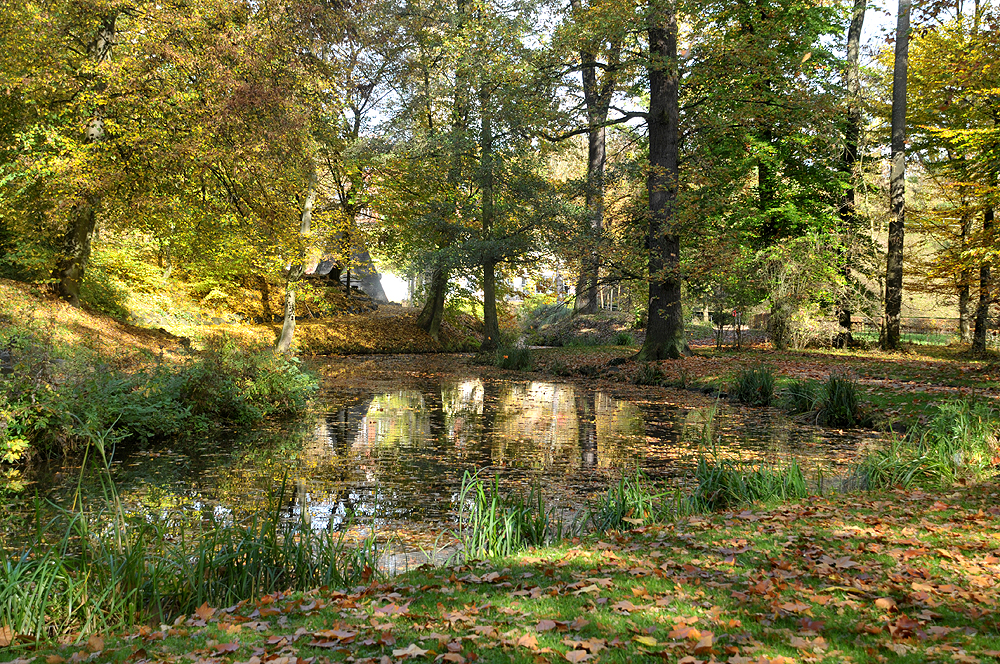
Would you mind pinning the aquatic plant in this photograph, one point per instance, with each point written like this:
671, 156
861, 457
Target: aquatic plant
649, 374
754, 386
840, 402
630, 503
624, 339
801, 396
80, 573
959, 442
725, 483
492, 524
515, 358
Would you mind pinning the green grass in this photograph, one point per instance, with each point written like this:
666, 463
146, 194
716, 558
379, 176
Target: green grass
916, 338
893, 578
959, 443
724, 483
93, 573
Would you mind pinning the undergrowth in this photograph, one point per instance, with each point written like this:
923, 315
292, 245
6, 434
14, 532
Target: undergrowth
959, 443
84, 572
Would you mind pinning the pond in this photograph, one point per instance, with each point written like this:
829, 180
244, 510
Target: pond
389, 441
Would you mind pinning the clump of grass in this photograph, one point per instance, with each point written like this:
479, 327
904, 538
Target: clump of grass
491, 524
649, 374
80, 574
801, 396
628, 504
516, 358
723, 483
959, 443
754, 386
840, 402
624, 339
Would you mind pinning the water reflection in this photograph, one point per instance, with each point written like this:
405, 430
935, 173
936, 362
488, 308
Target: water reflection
380, 459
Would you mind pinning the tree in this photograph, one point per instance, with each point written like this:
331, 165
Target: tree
852, 135
665, 327
897, 184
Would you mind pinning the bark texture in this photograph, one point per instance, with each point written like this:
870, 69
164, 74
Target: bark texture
985, 292
665, 328
897, 184
852, 137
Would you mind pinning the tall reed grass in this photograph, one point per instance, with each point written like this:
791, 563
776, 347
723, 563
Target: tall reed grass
82, 573
959, 442
725, 483
491, 524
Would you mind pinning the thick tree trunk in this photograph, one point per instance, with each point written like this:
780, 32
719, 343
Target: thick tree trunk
295, 273
430, 316
897, 184
852, 135
76, 250
985, 292
665, 329
72, 263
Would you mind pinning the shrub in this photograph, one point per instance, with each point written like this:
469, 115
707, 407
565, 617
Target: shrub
754, 386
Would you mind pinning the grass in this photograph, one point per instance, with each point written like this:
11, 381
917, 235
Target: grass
754, 386
82, 573
492, 524
958, 444
724, 483
895, 577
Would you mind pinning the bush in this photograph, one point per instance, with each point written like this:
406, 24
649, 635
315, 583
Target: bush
754, 386
51, 403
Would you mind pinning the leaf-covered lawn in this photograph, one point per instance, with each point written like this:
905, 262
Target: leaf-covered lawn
908, 577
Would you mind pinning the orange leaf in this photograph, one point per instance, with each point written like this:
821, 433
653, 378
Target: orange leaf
577, 656
205, 612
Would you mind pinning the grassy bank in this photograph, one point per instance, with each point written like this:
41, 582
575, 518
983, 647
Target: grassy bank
900, 576
70, 376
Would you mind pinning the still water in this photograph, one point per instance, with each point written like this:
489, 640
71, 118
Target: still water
394, 459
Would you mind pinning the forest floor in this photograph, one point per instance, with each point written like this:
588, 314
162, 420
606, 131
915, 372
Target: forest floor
894, 576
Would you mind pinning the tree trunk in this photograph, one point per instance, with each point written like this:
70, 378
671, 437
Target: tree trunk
965, 284
665, 329
852, 135
430, 316
491, 323
985, 291
72, 263
284, 344
897, 184
597, 99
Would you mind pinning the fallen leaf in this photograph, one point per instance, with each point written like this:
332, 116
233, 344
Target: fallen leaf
545, 625
6, 636
577, 656
412, 650
886, 603
205, 611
